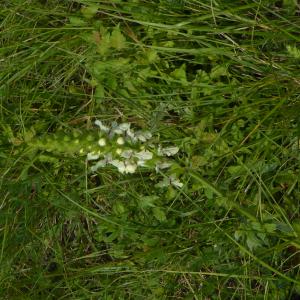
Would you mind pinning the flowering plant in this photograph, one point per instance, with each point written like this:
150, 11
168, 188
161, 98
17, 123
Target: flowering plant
116, 145
126, 149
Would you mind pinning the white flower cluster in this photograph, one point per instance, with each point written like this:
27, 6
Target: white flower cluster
126, 149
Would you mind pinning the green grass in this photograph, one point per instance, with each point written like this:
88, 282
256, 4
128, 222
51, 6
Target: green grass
218, 79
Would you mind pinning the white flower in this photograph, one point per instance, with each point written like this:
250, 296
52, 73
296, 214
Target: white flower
115, 129
102, 126
131, 168
171, 180
102, 142
119, 164
120, 141
144, 155
98, 165
108, 157
124, 167
169, 151
124, 126
95, 168
102, 163
92, 156
131, 135
177, 183
142, 163
127, 153
128, 160
143, 136
162, 165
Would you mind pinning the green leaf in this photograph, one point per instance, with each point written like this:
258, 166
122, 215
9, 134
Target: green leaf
270, 228
75, 21
159, 214
117, 39
293, 51
218, 71
89, 11
147, 201
252, 241
296, 227
208, 193
180, 74
238, 234
198, 161
119, 208
284, 228
152, 56
104, 44
29, 134
235, 170
171, 193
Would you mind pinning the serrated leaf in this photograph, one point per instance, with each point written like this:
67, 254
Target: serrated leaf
89, 11
119, 208
218, 71
152, 56
117, 39
198, 161
29, 134
104, 43
180, 74
293, 51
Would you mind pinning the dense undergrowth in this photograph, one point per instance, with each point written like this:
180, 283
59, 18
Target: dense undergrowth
220, 80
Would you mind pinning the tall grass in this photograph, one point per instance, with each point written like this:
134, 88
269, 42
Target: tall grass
218, 79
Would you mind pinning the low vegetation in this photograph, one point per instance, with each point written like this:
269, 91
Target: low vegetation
187, 186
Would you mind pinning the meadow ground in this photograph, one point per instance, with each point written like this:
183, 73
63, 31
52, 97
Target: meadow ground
213, 85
